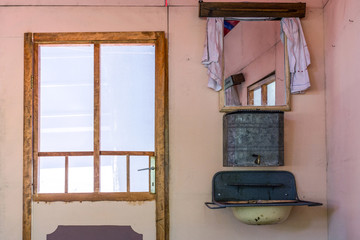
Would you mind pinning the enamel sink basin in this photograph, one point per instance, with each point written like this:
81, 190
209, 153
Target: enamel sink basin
262, 215
256, 197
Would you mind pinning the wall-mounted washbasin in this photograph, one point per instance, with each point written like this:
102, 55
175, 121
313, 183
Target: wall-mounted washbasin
262, 215
256, 197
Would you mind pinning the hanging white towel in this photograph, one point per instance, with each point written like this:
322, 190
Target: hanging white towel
213, 52
299, 57
232, 97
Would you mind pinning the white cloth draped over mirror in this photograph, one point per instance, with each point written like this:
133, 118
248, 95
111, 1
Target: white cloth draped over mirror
299, 57
213, 52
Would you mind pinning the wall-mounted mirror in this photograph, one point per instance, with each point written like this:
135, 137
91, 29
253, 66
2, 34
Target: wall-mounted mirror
256, 72
256, 67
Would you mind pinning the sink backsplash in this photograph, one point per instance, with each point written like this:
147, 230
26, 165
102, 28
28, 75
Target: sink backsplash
253, 138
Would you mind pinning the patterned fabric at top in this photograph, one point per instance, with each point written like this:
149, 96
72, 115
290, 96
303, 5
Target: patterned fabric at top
229, 25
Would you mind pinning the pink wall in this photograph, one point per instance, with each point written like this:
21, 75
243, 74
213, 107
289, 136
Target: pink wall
310, 3
196, 141
195, 126
84, 2
342, 59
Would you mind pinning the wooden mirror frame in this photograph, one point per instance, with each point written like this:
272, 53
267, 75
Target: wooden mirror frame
275, 11
285, 107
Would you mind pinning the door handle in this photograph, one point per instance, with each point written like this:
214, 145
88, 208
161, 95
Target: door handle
149, 168
152, 174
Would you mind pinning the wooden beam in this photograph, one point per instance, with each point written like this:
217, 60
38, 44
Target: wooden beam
27, 139
131, 153
96, 117
91, 37
92, 197
61, 154
161, 124
127, 173
251, 9
108, 153
35, 104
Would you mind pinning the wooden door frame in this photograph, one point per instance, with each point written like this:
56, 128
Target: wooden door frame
161, 118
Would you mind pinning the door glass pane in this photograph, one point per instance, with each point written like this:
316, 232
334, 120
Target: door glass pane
52, 175
127, 97
139, 180
257, 97
66, 92
81, 174
271, 94
113, 176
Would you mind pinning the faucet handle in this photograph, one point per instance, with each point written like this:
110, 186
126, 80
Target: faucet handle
257, 160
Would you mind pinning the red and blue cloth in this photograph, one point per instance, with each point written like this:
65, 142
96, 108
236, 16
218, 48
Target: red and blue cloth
229, 25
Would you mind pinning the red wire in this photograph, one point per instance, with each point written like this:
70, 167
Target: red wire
165, 3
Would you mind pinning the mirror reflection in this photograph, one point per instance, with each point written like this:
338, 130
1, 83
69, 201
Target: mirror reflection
254, 66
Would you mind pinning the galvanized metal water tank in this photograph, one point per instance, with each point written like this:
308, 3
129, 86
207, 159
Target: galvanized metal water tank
253, 138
